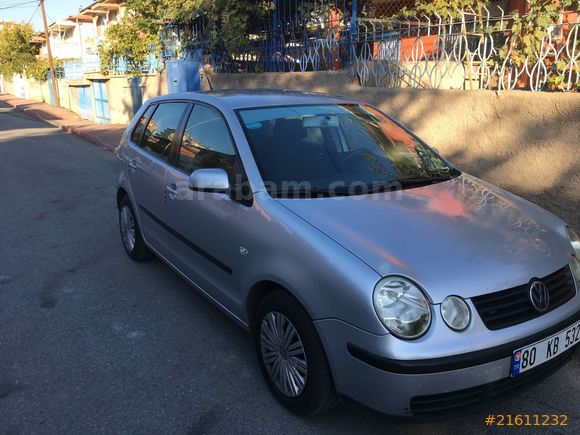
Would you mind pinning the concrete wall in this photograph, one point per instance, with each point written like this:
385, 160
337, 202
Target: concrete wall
63, 93
24, 87
120, 99
8, 86
449, 75
36, 90
118, 92
526, 142
154, 85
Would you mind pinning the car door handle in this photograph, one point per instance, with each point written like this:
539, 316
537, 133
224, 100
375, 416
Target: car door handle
132, 166
171, 190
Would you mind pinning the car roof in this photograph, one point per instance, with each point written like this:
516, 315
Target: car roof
244, 98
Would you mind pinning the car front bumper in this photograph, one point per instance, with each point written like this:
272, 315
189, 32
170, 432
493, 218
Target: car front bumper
427, 387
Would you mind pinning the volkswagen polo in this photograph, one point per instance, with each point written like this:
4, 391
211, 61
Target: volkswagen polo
363, 263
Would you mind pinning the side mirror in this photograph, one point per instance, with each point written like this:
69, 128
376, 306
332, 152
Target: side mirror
209, 180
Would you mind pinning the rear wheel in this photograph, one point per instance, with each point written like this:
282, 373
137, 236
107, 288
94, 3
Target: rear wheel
291, 355
131, 233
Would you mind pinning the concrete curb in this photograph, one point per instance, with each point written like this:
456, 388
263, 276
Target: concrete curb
77, 127
35, 115
90, 137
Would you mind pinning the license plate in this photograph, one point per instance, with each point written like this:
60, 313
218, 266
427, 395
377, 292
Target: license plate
536, 354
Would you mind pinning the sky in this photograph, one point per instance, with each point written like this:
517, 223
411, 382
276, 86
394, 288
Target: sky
56, 10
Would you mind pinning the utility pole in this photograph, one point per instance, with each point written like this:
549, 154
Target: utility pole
49, 52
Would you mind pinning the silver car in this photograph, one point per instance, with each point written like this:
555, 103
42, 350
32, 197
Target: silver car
364, 264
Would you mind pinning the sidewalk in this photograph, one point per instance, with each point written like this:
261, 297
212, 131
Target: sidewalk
104, 135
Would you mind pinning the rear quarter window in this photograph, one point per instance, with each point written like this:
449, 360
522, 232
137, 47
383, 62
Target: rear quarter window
140, 127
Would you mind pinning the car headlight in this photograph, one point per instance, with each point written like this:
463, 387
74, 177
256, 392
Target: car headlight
455, 313
402, 307
575, 241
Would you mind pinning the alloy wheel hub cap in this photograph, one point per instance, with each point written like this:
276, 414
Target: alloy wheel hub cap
127, 228
283, 354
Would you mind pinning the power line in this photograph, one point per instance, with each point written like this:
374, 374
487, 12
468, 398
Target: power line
33, 14
50, 18
18, 5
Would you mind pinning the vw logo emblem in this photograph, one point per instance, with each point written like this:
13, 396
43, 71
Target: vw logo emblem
539, 296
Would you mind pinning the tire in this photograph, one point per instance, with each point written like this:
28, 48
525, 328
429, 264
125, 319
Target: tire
131, 233
316, 393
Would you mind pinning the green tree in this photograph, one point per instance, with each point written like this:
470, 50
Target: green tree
228, 21
151, 15
125, 41
140, 29
443, 8
18, 55
529, 30
38, 69
232, 20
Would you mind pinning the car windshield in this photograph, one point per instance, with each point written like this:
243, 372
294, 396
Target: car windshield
340, 149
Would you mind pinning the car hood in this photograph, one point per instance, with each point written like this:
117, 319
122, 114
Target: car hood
462, 236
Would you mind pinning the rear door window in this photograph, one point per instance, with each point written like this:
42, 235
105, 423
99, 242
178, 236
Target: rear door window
161, 129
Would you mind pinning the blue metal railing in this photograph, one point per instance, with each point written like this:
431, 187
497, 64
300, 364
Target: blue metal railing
297, 35
151, 65
76, 68
73, 69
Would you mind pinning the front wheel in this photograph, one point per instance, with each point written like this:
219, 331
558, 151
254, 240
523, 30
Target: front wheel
291, 355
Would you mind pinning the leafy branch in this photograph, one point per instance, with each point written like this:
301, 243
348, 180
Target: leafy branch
229, 23
18, 55
529, 30
443, 8
125, 41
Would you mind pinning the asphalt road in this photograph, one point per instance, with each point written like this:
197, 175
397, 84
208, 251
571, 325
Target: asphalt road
93, 342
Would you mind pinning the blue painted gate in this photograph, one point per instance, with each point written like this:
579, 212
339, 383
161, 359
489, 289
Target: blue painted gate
182, 76
136, 94
85, 102
102, 115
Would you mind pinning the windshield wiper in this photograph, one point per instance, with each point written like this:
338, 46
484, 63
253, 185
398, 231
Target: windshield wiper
424, 181
309, 193
393, 185
404, 183
383, 187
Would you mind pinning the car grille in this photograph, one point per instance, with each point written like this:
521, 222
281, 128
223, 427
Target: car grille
439, 405
510, 307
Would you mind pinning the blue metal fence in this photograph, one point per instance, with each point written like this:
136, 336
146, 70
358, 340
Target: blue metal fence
296, 35
308, 35
74, 69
